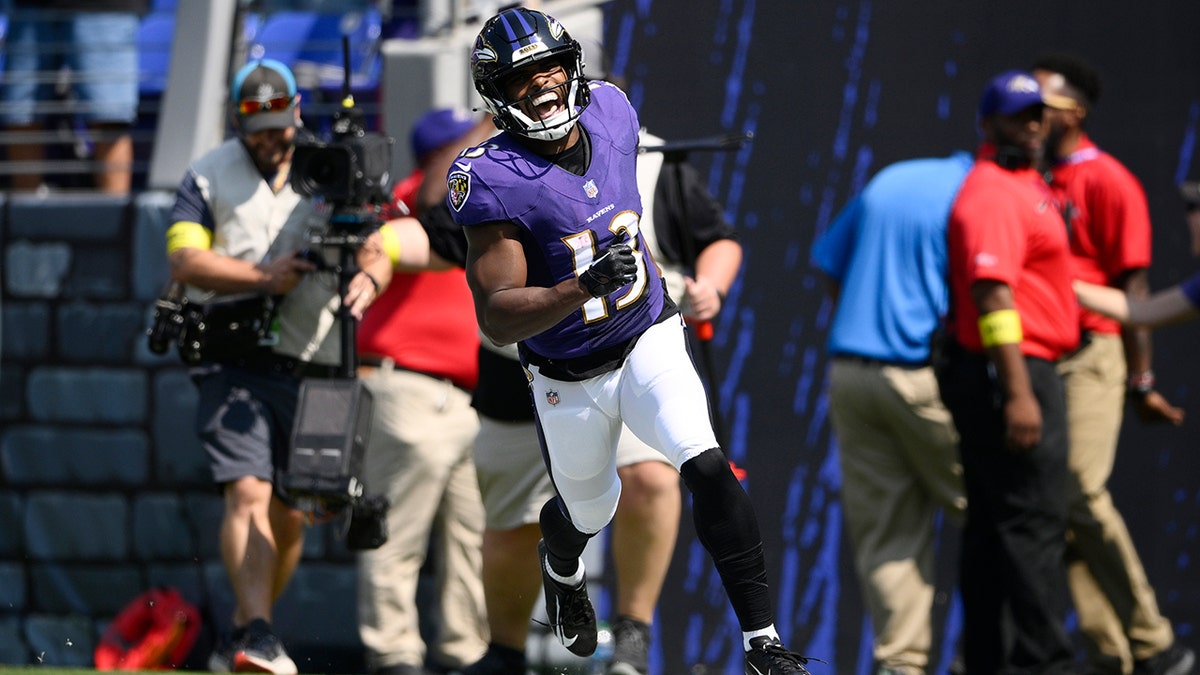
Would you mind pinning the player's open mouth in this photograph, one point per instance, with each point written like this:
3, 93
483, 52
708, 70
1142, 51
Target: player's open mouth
547, 105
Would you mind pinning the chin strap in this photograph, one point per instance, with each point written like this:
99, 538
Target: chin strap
554, 132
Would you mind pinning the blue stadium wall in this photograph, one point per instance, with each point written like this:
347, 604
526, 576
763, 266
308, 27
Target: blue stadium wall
104, 492
834, 91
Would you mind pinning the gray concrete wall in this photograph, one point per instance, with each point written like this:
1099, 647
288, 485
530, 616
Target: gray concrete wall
104, 490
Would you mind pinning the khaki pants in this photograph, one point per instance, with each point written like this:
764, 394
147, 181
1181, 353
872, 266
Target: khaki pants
898, 451
419, 455
1117, 609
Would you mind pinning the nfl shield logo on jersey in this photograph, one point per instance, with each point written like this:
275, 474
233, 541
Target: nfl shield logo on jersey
590, 189
459, 184
552, 397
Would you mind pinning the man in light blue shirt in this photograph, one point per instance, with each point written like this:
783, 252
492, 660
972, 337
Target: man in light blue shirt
885, 260
885, 255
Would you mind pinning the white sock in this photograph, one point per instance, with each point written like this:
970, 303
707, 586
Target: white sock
769, 631
572, 581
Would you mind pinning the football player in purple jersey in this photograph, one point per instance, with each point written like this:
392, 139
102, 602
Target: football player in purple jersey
557, 264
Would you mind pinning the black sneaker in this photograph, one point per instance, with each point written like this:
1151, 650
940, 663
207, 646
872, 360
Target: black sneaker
768, 656
631, 647
261, 651
221, 659
497, 661
569, 610
1174, 660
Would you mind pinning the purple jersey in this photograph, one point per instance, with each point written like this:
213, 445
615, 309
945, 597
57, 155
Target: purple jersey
566, 220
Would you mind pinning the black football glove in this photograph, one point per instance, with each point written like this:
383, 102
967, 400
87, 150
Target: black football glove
616, 267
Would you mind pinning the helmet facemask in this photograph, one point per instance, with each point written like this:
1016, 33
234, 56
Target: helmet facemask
549, 129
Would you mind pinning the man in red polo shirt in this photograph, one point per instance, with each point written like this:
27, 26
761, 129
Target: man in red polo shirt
1110, 245
417, 355
1013, 314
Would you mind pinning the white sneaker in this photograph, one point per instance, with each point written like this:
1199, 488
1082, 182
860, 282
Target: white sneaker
262, 652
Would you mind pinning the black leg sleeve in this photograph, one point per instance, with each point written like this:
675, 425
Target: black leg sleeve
564, 543
728, 529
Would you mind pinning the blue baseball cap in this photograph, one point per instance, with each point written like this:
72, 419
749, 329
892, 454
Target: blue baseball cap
263, 95
439, 127
1009, 93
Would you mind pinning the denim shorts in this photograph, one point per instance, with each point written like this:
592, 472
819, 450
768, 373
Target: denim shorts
100, 49
244, 420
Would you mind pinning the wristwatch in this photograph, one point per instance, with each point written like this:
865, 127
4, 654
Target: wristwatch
1140, 384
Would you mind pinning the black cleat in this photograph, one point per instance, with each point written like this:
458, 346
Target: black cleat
569, 610
497, 661
768, 656
631, 648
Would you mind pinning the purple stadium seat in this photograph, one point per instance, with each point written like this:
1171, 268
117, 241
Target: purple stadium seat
311, 44
154, 51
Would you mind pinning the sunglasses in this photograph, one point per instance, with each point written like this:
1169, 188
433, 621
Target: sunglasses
251, 106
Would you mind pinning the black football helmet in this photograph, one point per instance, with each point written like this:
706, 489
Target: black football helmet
513, 39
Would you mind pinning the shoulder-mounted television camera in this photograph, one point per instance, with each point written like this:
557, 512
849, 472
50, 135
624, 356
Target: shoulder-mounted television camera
333, 416
353, 170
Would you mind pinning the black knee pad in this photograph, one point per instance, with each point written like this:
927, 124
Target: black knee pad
720, 507
708, 470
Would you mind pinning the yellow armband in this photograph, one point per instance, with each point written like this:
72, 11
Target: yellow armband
1002, 327
185, 234
391, 243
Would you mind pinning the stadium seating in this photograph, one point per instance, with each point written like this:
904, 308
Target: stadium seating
311, 44
3, 35
154, 52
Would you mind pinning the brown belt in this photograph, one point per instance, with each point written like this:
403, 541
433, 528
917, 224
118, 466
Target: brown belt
371, 362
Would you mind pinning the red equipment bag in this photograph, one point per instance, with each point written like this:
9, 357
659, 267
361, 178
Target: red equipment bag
153, 632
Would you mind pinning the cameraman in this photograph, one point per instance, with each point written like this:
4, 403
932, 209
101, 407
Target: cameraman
237, 227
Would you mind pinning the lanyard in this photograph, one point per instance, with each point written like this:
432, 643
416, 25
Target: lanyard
1080, 156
